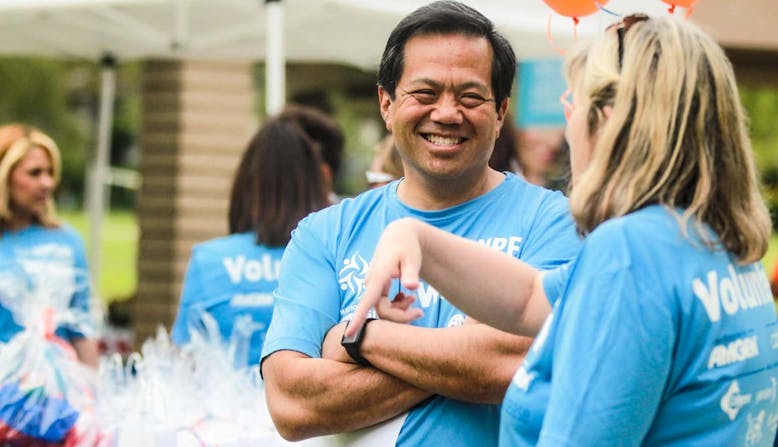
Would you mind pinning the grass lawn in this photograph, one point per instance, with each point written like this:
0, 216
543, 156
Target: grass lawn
769, 260
772, 254
118, 272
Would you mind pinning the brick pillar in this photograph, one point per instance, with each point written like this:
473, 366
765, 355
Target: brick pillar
197, 119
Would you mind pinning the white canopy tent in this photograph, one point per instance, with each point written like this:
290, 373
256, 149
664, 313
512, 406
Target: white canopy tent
346, 31
351, 32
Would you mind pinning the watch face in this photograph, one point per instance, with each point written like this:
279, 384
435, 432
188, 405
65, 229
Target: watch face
349, 340
352, 339
352, 345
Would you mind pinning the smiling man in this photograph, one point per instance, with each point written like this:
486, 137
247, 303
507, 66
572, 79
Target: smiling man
444, 82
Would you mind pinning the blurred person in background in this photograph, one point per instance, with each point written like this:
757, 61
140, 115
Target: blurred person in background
324, 130
536, 154
505, 157
539, 152
33, 238
279, 181
386, 165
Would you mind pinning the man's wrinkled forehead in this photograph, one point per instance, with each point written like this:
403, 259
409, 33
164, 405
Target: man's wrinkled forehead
418, 37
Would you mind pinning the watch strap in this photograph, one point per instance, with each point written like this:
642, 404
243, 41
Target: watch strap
354, 348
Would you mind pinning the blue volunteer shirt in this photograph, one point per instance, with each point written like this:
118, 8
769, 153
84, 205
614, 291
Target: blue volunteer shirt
554, 282
49, 261
232, 279
656, 341
324, 267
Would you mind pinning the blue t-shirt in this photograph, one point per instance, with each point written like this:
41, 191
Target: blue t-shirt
554, 282
45, 262
232, 279
324, 266
656, 341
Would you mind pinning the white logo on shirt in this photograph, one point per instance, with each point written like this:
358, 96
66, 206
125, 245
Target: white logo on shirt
736, 351
733, 401
770, 393
772, 423
522, 379
774, 340
240, 268
456, 320
352, 275
49, 252
50, 268
509, 245
732, 293
255, 299
427, 295
755, 424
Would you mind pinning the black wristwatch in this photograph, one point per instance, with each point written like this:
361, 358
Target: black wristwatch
353, 344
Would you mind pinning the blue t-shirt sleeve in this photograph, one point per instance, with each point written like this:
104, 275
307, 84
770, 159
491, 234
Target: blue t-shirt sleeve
554, 241
554, 282
308, 291
192, 292
612, 351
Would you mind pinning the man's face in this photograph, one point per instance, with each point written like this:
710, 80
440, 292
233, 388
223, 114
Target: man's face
443, 116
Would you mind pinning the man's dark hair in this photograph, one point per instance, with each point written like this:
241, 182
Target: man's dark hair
279, 181
448, 17
322, 129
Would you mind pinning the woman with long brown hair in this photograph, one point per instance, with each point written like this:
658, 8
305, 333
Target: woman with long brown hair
278, 182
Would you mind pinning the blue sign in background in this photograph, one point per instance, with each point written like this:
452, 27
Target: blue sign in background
541, 83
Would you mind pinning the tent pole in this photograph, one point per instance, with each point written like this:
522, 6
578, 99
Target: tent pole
98, 178
275, 64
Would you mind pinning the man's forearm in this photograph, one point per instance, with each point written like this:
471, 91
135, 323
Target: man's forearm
313, 397
472, 362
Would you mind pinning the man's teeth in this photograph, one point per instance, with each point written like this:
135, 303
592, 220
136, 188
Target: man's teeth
441, 140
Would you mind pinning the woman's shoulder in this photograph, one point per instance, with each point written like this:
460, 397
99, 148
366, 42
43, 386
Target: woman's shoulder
544, 199
70, 235
651, 235
62, 232
351, 208
652, 222
237, 243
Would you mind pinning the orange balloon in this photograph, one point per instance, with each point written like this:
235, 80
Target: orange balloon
575, 8
683, 3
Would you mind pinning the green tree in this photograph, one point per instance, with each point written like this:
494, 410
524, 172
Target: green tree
761, 104
36, 92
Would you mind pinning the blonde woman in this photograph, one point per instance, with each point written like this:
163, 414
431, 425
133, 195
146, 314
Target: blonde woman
31, 236
663, 330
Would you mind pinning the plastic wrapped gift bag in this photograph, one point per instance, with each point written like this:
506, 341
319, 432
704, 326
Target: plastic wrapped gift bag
32, 418
46, 395
39, 293
195, 395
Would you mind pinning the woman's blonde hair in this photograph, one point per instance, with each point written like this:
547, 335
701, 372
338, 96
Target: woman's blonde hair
16, 140
676, 135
